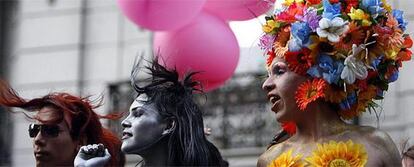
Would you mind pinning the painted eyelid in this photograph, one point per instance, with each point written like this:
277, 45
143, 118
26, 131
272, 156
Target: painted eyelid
277, 70
138, 112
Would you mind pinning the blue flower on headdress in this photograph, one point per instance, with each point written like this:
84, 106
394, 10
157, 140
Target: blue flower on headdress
300, 32
374, 7
331, 11
394, 76
327, 68
380, 93
348, 102
399, 15
310, 16
376, 62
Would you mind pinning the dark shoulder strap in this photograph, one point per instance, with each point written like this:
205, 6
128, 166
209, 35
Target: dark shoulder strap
280, 137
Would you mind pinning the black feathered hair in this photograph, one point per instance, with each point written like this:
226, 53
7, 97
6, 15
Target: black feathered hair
187, 144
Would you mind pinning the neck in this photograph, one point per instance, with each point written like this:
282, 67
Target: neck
157, 155
320, 122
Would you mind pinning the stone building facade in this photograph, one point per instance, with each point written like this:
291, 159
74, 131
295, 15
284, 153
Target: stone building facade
84, 46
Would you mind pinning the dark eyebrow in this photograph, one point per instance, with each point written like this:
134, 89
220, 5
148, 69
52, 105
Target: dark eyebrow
280, 63
132, 109
138, 109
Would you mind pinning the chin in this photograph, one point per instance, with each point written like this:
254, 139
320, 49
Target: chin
130, 149
280, 116
42, 163
125, 148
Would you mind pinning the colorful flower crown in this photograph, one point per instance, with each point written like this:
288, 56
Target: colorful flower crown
351, 48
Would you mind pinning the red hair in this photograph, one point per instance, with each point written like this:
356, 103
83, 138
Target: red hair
77, 112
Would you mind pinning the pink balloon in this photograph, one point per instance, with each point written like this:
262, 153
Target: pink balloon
211, 85
207, 45
161, 14
238, 9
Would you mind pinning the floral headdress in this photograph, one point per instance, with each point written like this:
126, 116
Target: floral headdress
352, 49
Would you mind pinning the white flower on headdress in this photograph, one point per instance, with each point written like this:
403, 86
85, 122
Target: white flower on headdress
354, 68
332, 29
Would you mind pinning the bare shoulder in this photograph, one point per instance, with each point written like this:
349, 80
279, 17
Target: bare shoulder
271, 153
379, 145
375, 136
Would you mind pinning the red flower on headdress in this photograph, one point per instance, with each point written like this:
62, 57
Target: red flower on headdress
289, 15
310, 91
405, 55
289, 127
314, 2
299, 62
389, 37
408, 42
333, 1
351, 4
270, 56
363, 84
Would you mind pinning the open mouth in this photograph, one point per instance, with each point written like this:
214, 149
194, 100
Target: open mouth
40, 154
275, 100
126, 135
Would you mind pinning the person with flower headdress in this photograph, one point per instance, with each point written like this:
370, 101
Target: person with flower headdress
328, 61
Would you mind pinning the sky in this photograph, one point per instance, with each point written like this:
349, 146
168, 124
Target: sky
248, 32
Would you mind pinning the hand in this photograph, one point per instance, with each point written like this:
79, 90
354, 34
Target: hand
95, 155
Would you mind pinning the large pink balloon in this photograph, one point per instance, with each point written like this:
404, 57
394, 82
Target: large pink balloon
161, 14
238, 9
207, 45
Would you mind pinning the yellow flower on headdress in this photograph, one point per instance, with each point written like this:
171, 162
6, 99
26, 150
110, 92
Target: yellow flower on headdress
270, 26
386, 6
359, 14
391, 54
290, 2
342, 154
287, 160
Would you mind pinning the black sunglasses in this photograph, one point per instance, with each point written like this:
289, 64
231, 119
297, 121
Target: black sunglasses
47, 130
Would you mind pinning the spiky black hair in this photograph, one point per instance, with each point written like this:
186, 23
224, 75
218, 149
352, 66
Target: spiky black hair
173, 99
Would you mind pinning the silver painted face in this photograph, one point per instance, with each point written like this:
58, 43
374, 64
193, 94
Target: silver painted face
142, 128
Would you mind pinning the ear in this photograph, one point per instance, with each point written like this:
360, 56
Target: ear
171, 124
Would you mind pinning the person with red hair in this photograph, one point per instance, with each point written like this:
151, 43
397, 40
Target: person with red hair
63, 123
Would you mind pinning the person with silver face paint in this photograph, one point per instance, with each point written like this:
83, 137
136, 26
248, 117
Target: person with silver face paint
144, 127
165, 125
